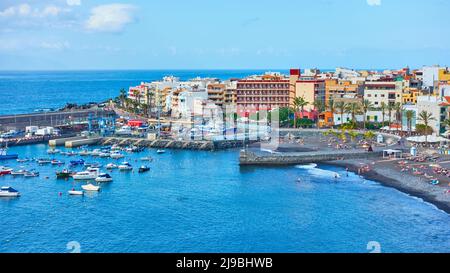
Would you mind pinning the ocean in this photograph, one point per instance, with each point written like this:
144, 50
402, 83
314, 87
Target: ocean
195, 201
204, 202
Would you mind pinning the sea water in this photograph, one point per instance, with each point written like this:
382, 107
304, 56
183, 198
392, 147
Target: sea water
196, 201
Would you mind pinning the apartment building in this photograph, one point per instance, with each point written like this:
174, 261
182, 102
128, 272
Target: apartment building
379, 92
337, 90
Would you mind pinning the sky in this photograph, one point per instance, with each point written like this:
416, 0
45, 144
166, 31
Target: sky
222, 34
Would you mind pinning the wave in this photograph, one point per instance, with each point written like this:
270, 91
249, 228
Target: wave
307, 167
314, 171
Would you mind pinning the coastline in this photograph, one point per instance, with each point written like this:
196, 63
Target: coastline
406, 183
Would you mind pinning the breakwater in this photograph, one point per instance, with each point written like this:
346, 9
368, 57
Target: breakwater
173, 144
54, 119
253, 158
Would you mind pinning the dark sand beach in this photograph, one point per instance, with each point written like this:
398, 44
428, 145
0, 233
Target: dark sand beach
388, 173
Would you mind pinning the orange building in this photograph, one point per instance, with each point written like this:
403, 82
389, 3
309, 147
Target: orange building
340, 89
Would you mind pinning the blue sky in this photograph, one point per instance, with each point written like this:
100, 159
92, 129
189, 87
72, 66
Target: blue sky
230, 34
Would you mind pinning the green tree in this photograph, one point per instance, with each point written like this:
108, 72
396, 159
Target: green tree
383, 108
366, 106
299, 104
398, 107
353, 108
409, 117
390, 108
341, 108
426, 117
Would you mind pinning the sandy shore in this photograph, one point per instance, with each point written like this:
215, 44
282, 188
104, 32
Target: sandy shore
388, 174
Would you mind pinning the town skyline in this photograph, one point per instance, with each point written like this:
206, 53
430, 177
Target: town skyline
138, 35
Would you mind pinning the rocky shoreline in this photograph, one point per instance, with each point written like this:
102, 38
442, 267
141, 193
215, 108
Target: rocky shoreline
385, 174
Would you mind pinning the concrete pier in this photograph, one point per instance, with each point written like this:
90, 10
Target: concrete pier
252, 158
203, 145
81, 142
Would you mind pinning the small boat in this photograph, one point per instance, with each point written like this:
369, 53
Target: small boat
57, 162
125, 166
5, 170
19, 172
96, 152
92, 165
74, 192
53, 151
77, 162
8, 192
83, 153
104, 154
43, 161
116, 155
111, 166
89, 174
90, 187
5, 156
31, 173
63, 174
104, 177
23, 160
160, 151
146, 158
72, 153
143, 169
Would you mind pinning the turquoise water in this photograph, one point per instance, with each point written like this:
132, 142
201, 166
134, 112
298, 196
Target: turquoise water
204, 202
26, 91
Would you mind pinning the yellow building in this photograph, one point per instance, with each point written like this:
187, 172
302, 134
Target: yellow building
410, 96
444, 75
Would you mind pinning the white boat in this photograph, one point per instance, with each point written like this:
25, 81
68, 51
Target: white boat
8, 192
19, 172
160, 151
90, 187
146, 159
125, 166
5, 170
23, 160
43, 161
111, 166
31, 174
104, 177
96, 152
89, 174
74, 192
53, 151
116, 155
103, 154
83, 153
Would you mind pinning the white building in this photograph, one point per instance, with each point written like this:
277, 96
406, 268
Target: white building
387, 92
430, 75
437, 106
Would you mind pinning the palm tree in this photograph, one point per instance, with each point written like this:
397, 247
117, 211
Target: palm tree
390, 108
122, 97
331, 106
299, 104
353, 108
341, 106
425, 117
320, 107
383, 111
409, 117
398, 107
366, 106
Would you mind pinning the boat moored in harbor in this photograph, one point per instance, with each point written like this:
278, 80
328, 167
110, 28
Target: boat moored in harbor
143, 169
8, 192
90, 187
104, 177
5, 170
5, 156
125, 166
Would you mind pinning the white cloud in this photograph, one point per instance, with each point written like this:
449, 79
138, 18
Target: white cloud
73, 2
25, 11
110, 18
374, 2
54, 45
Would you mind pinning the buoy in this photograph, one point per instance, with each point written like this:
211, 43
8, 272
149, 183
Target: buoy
60, 193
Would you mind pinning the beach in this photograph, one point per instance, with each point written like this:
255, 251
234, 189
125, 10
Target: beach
388, 174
